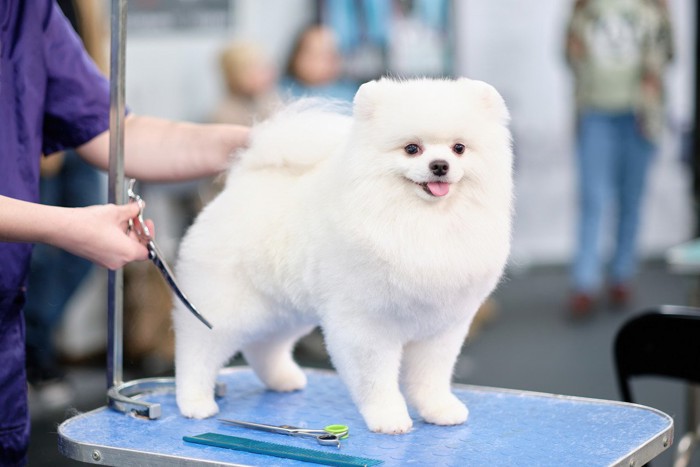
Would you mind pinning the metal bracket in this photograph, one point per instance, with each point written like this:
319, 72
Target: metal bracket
122, 396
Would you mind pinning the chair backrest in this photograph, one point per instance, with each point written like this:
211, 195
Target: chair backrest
664, 341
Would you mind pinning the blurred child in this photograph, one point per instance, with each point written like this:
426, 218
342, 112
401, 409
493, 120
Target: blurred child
251, 82
315, 67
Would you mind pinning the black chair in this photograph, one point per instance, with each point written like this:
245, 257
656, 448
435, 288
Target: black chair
663, 342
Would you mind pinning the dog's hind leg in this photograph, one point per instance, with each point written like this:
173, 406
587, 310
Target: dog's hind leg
271, 359
427, 373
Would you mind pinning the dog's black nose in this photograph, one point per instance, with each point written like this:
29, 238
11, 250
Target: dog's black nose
439, 167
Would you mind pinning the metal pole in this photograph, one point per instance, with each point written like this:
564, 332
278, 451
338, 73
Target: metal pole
121, 396
115, 298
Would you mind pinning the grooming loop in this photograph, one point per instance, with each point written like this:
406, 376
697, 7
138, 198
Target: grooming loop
122, 397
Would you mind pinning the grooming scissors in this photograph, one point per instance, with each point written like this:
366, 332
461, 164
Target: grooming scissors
138, 225
329, 436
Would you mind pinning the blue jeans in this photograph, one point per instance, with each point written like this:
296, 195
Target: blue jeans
55, 274
613, 160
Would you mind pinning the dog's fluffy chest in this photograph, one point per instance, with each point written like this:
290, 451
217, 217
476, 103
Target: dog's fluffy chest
397, 278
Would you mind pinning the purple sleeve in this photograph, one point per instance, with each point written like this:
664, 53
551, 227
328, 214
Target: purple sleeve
77, 94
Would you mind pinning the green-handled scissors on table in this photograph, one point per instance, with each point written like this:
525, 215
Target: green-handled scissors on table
328, 436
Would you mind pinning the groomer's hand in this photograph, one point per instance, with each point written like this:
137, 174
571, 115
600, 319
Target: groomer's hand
99, 234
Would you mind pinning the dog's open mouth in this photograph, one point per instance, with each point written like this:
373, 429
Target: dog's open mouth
436, 189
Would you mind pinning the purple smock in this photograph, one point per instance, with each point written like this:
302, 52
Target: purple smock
52, 97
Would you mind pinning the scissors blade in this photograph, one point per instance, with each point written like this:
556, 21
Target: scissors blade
157, 258
259, 426
322, 437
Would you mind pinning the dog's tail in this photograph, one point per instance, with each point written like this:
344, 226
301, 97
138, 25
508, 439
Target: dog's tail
299, 136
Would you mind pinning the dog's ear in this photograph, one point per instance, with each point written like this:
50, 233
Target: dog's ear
489, 99
364, 102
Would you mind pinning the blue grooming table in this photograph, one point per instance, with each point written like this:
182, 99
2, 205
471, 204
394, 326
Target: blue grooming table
505, 427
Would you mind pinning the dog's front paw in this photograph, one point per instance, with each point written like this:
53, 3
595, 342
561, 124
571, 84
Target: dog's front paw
391, 419
444, 411
200, 407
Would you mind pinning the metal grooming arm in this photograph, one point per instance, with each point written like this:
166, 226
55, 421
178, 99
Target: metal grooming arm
121, 395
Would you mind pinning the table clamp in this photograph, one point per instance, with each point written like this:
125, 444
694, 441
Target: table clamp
123, 397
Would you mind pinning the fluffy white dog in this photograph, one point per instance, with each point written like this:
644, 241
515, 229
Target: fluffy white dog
388, 228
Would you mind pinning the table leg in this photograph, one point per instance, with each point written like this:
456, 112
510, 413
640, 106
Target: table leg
689, 442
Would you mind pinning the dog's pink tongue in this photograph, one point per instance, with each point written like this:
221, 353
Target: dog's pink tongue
439, 188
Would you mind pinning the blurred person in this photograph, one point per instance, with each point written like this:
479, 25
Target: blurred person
315, 67
618, 51
53, 97
251, 96
251, 82
55, 275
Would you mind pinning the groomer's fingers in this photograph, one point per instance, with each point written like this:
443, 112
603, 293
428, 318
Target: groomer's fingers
127, 211
98, 233
135, 251
131, 248
151, 227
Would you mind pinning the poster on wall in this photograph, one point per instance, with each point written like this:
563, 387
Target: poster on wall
398, 37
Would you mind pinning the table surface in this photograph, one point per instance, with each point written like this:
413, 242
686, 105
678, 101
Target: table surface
505, 427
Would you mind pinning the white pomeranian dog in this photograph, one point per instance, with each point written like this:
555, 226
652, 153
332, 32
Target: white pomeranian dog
388, 229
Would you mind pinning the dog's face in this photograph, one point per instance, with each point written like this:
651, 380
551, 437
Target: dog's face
433, 166
435, 136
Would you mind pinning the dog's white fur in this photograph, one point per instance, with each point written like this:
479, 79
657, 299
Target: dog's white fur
323, 221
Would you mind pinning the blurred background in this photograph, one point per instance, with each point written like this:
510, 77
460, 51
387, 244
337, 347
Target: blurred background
236, 60
173, 71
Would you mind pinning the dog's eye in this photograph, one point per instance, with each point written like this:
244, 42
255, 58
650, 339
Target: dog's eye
412, 149
458, 148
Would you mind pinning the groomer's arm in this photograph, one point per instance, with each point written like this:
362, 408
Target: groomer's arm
156, 149
162, 150
97, 233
